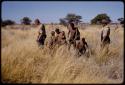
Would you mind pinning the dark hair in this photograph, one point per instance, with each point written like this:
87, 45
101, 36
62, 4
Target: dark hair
105, 21
83, 39
37, 21
57, 30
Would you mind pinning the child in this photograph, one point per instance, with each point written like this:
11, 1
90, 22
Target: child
81, 46
62, 38
52, 41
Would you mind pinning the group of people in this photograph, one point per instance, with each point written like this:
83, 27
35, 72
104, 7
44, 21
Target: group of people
59, 38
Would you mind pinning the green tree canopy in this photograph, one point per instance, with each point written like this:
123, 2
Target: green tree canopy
98, 19
71, 17
121, 20
26, 21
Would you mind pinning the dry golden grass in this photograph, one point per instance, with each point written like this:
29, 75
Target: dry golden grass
24, 62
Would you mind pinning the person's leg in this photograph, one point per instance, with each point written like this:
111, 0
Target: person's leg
78, 53
74, 44
69, 44
84, 50
107, 42
104, 42
42, 42
39, 42
81, 51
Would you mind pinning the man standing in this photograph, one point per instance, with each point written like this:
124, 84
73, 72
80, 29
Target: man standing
105, 33
73, 34
41, 35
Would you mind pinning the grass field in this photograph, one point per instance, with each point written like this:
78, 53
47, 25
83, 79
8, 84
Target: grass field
22, 61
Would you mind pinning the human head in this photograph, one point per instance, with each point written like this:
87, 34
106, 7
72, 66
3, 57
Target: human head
104, 22
53, 33
57, 30
72, 25
37, 21
83, 39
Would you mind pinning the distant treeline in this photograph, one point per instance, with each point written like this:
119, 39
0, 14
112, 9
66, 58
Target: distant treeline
71, 17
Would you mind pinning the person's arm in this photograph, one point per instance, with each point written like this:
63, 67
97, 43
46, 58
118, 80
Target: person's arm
38, 36
101, 35
108, 33
76, 33
68, 27
76, 44
68, 33
56, 38
86, 44
63, 37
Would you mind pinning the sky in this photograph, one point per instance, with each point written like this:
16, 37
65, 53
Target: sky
52, 11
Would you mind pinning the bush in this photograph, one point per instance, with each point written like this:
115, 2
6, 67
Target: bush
7, 22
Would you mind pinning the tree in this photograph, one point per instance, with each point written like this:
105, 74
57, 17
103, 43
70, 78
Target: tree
78, 19
63, 22
98, 19
121, 20
7, 22
26, 21
71, 18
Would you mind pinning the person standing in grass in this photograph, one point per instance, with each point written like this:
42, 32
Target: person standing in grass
81, 46
57, 31
73, 34
105, 34
52, 41
60, 37
41, 35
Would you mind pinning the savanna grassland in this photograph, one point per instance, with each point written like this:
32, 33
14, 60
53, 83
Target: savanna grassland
22, 61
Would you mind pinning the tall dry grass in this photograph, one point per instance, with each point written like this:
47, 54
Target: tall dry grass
22, 61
